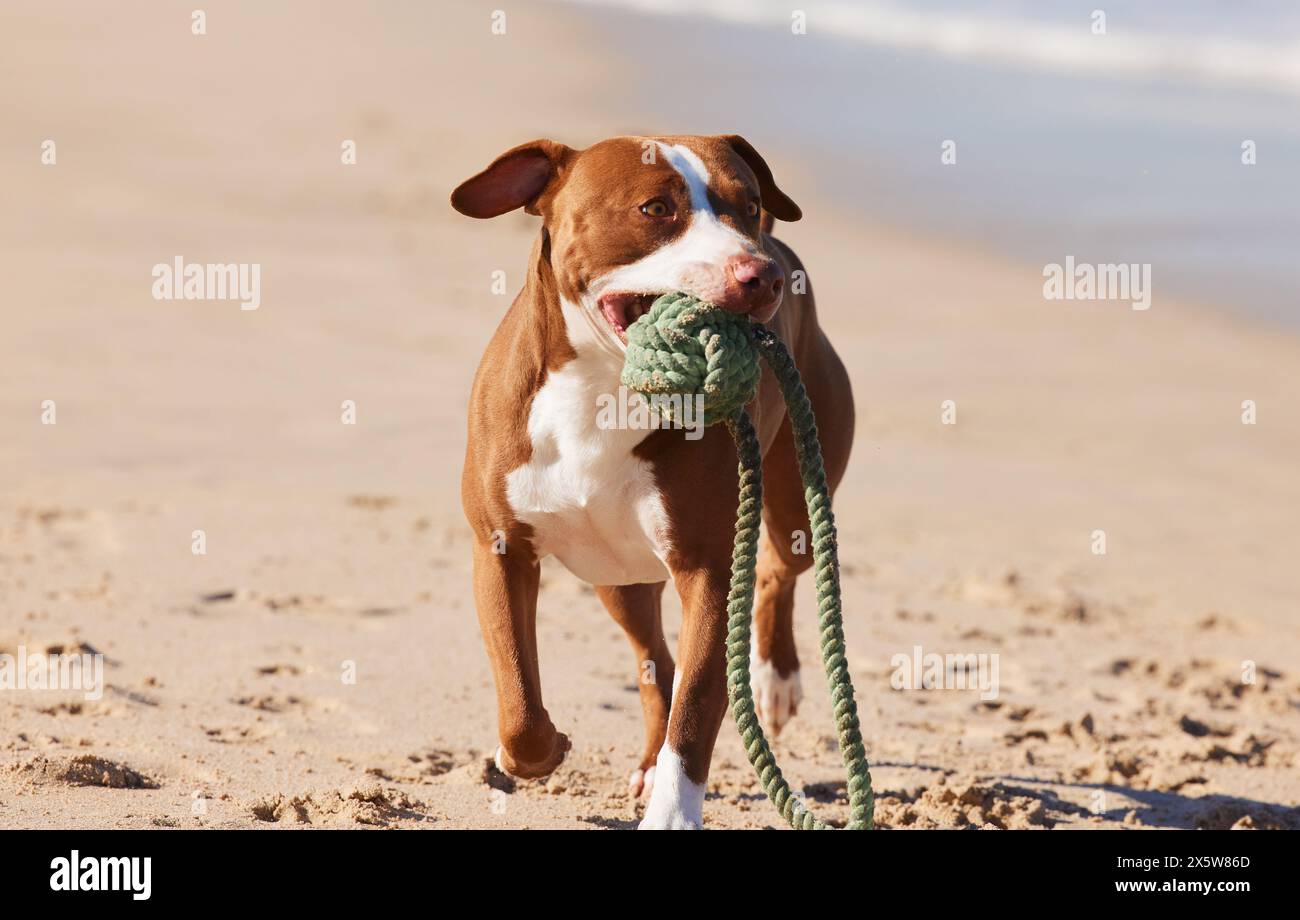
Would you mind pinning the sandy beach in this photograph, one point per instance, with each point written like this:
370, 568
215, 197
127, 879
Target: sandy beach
320, 663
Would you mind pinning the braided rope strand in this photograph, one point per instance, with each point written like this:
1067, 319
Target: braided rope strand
685, 347
826, 567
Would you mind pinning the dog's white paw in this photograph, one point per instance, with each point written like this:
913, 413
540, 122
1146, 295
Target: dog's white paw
776, 698
676, 803
641, 783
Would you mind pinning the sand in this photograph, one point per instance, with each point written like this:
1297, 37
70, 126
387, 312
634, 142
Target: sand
320, 665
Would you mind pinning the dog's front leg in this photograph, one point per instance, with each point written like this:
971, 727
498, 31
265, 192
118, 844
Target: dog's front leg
505, 593
699, 702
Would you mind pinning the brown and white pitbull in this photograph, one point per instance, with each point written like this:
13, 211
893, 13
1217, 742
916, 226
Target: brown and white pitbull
626, 509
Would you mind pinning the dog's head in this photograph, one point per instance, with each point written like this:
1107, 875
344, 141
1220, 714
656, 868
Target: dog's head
632, 218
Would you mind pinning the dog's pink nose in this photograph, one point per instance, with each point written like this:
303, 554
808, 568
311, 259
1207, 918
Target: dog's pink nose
754, 286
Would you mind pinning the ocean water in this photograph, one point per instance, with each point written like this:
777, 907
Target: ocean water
1125, 146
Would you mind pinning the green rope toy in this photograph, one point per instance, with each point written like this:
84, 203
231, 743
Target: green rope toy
684, 347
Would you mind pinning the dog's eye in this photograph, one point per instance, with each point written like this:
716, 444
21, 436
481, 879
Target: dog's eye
656, 208
753, 209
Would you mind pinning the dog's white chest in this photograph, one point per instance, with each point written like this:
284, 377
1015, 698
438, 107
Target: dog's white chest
590, 502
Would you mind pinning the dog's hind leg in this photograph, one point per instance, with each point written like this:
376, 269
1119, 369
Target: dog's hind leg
637, 608
774, 663
787, 543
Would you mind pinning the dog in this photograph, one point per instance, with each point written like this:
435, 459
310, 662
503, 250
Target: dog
624, 221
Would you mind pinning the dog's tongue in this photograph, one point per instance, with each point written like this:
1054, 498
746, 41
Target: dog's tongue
616, 308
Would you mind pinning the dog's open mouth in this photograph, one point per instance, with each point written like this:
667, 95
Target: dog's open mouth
623, 308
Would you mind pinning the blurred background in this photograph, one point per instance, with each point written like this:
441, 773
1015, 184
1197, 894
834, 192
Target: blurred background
1122, 145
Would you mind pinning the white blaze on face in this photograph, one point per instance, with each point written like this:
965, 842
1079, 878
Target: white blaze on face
688, 163
694, 262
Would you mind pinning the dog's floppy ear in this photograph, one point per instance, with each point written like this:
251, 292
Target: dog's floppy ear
516, 179
775, 202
